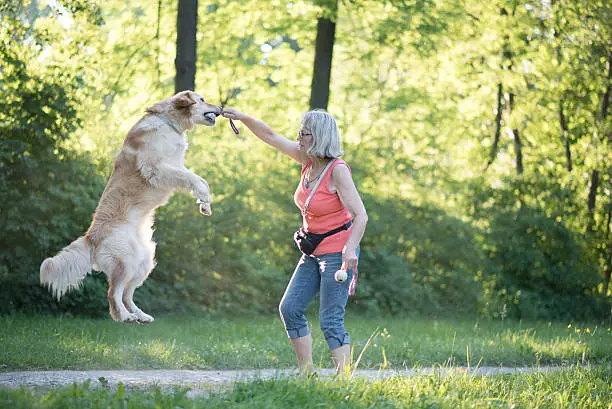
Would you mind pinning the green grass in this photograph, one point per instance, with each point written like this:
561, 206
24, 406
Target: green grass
47, 342
577, 388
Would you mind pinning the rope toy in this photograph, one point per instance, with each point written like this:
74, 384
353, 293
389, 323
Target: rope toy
236, 131
234, 128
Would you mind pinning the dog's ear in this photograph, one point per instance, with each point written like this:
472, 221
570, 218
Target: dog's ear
183, 99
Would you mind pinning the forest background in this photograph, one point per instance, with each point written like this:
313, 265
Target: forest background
477, 132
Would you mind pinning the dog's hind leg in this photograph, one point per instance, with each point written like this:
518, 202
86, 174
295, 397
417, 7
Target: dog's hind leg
143, 271
116, 288
128, 302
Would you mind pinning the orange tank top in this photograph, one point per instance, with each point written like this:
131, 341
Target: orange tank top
325, 211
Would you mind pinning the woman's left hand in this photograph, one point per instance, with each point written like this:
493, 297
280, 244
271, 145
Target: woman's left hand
349, 258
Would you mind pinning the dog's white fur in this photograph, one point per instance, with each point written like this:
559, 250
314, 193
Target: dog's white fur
150, 166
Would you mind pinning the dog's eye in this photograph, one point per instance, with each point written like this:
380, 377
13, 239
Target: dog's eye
201, 99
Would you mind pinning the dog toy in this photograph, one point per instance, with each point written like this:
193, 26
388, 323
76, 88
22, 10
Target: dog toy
340, 276
236, 131
234, 128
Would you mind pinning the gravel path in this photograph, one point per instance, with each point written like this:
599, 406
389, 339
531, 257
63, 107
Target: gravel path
202, 382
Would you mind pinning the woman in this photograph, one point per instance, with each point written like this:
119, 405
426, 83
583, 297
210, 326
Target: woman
335, 203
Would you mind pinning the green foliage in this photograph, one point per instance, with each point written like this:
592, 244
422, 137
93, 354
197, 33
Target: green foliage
414, 87
410, 261
48, 193
543, 269
536, 266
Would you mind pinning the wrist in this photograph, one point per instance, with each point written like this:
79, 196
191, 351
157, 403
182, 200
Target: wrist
349, 249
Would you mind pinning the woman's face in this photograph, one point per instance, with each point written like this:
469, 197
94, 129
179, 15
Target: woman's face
304, 139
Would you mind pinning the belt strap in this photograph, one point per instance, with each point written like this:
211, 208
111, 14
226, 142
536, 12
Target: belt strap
337, 229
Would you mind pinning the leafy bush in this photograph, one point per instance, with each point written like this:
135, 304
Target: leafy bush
543, 268
48, 194
417, 260
242, 257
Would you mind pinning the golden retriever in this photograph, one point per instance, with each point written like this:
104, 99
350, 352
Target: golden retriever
119, 242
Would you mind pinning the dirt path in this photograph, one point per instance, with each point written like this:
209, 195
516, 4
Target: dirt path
206, 381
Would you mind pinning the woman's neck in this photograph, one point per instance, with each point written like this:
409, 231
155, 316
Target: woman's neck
315, 171
318, 163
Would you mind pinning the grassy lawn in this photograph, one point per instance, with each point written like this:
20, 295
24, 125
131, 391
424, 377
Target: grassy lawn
576, 388
190, 342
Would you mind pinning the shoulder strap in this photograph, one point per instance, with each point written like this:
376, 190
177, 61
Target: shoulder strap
317, 184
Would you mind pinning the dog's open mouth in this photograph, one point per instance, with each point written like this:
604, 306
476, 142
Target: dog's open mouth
210, 117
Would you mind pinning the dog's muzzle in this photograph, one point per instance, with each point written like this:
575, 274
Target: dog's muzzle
211, 117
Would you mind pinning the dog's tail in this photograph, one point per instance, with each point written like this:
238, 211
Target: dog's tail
66, 270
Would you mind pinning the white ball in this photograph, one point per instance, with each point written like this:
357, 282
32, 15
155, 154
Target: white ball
340, 276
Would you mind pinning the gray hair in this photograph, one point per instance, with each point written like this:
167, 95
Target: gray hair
325, 134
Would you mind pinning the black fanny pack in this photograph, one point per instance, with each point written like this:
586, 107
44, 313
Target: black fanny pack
307, 242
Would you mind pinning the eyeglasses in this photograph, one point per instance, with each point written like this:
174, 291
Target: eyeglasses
303, 134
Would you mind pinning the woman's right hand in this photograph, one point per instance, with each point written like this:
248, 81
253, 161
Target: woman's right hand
233, 113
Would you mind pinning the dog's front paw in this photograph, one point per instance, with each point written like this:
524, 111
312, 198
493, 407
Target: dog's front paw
205, 208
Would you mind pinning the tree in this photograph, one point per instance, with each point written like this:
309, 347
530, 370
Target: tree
419, 90
324, 47
186, 44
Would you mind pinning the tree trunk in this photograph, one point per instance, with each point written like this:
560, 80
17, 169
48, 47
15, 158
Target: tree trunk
518, 150
157, 45
507, 62
518, 147
605, 98
498, 125
595, 173
186, 28
565, 137
594, 185
604, 113
608, 267
324, 47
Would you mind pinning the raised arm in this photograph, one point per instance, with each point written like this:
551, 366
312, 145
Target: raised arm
267, 134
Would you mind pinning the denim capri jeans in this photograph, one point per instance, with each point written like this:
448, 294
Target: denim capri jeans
312, 275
